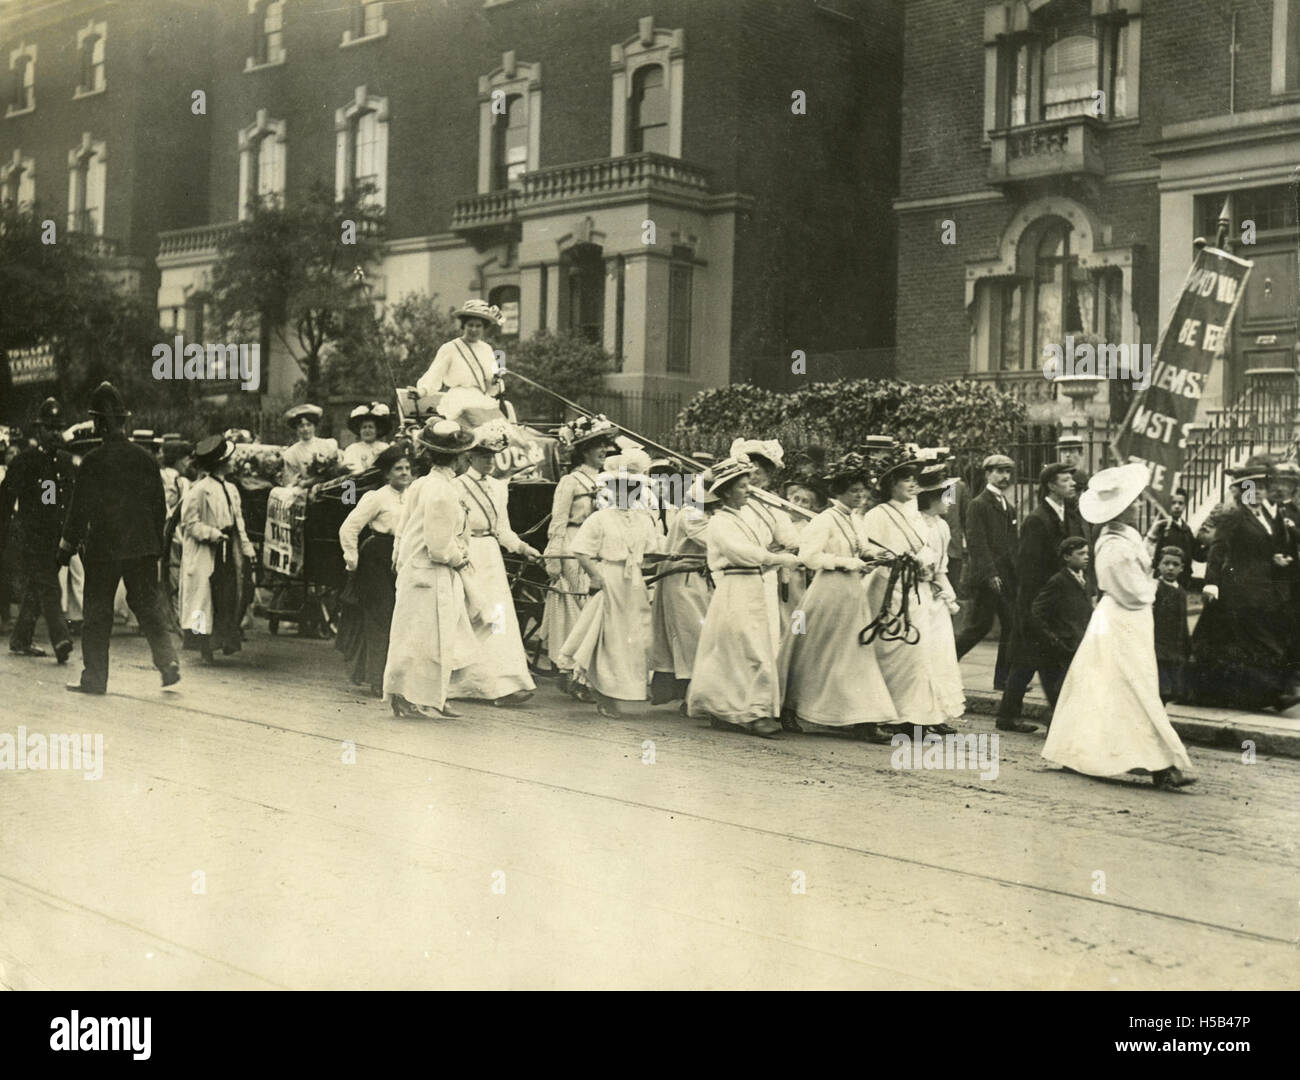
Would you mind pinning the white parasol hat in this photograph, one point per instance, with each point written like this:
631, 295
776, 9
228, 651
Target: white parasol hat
1112, 491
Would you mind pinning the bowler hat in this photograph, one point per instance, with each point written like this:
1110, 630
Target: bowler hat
1255, 467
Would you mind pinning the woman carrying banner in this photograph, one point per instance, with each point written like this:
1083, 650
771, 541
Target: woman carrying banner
1109, 719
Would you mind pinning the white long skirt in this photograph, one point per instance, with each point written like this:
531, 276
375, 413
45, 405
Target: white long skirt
560, 612
431, 635
912, 672
828, 677
680, 606
500, 666
1109, 718
942, 653
735, 676
608, 648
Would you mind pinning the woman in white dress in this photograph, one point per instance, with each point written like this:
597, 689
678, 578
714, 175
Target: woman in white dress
735, 681
829, 680
371, 424
609, 646
767, 459
298, 459
432, 634
500, 671
589, 440
941, 604
1109, 719
806, 489
379, 511
215, 547
681, 600
464, 370
904, 649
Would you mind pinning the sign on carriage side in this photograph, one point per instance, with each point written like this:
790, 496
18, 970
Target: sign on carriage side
1155, 430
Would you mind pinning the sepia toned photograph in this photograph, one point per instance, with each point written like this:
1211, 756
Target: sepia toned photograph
650, 495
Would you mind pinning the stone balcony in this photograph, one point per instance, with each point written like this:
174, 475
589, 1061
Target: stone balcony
1071, 146
185, 247
634, 177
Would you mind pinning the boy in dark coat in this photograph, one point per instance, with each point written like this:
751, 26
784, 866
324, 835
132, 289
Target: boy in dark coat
1173, 640
1061, 612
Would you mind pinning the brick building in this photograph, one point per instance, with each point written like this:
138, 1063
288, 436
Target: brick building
1078, 147
522, 147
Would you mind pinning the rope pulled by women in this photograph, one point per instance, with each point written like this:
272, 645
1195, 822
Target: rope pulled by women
892, 624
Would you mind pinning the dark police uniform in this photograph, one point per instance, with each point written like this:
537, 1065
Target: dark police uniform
40, 481
118, 511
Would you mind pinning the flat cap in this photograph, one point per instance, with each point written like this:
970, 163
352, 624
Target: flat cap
998, 461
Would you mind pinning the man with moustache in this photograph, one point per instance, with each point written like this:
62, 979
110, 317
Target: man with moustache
1037, 560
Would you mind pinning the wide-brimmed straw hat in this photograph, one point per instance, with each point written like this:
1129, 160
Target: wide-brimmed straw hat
1112, 491
479, 309
376, 411
768, 450
1286, 470
444, 436
492, 437
312, 412
723, 473
212, 451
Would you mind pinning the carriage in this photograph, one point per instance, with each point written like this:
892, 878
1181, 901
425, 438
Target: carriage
300, 574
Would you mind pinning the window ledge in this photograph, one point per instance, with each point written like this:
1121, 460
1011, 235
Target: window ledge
79, 93
249, 64
11, 111
1286, 96
496, 3
1122, 122
348, 40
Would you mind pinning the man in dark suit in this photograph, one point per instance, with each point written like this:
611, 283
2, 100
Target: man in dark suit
1060, 614
1243, 644
1037, 559
40, 481
118, 511
990, 566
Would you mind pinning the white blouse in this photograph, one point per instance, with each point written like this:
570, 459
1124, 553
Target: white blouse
458, 363
619, 536
574, 499
485, 499
1124, 568
831, 538
434, 529
359, 456
380, 509
298, 458
737, 539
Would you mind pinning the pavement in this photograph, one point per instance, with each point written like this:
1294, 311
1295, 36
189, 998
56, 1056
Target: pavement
1270, 733
264, 826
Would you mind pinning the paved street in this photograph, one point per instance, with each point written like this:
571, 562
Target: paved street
229, 844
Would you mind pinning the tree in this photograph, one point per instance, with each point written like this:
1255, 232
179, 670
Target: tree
292, 268
55, 292
567, 363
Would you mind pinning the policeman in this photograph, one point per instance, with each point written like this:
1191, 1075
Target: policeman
40, 481
117, 513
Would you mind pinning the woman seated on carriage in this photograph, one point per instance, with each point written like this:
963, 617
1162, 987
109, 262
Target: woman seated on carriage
371, 424
309, 452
